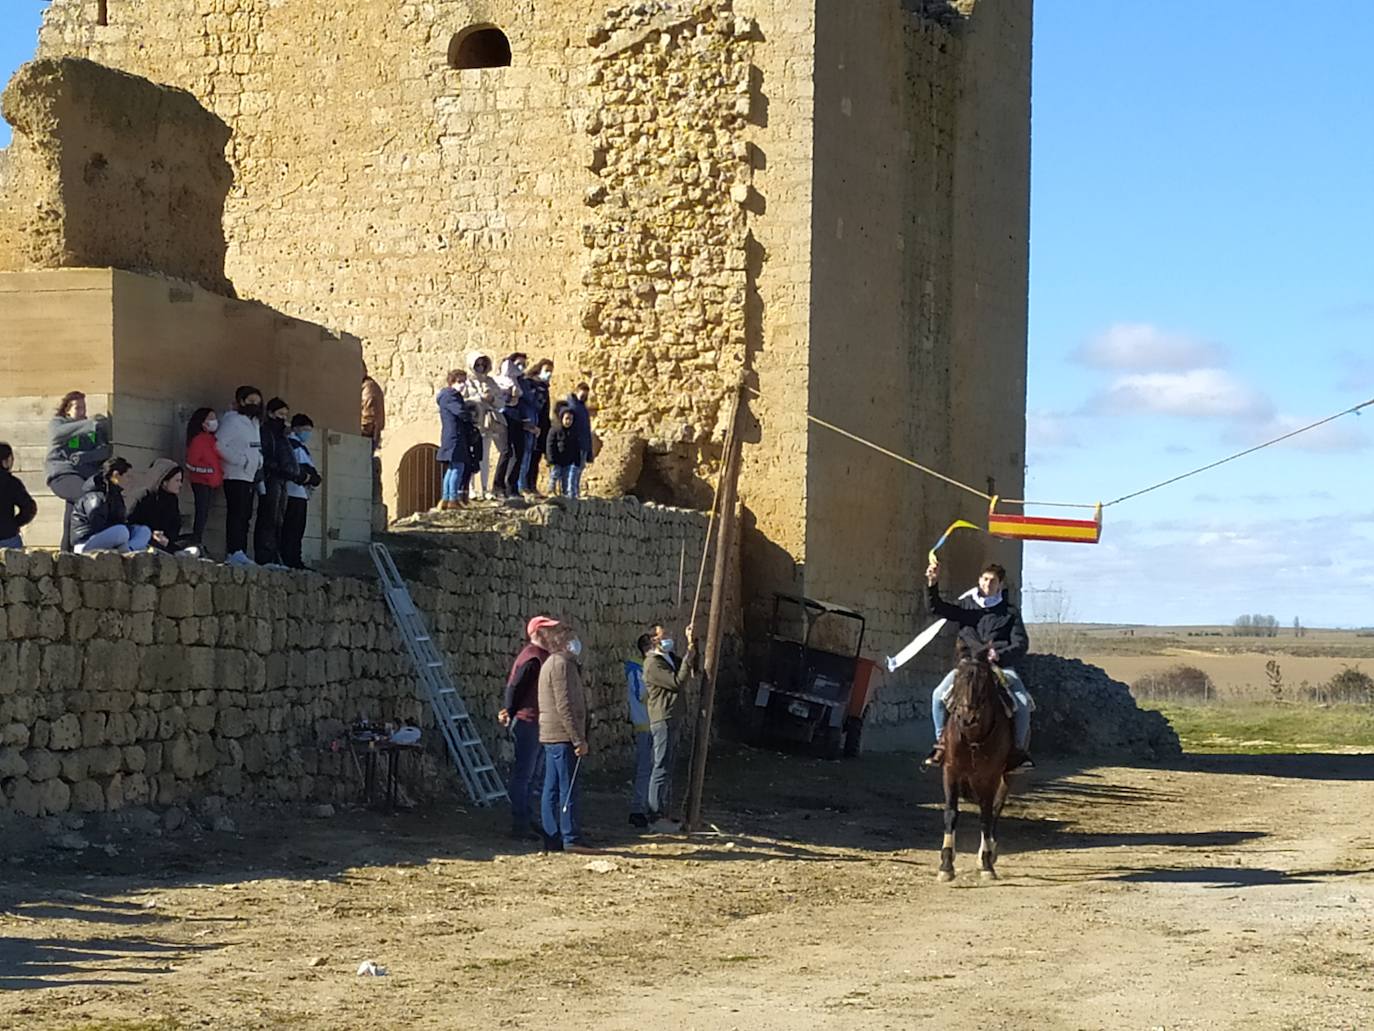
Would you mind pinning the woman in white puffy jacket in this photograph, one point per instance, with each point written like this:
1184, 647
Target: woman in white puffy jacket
489, 397
239, 440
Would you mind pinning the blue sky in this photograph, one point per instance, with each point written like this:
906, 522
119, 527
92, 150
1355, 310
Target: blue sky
1202, 216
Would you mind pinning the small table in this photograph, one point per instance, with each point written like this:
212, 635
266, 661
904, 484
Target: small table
389, 750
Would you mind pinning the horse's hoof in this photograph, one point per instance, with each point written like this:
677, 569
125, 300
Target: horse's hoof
988, 875
945, 876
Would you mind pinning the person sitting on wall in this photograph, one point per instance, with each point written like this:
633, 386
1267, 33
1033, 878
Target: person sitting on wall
156, 506
204, 467
986, 619
298, 492
279, 468
99, 518
17, 507
239, 440
77, 445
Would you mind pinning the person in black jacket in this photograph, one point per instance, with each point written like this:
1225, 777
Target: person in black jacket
562, 452
158, 507
17, 508
99, 518
986, 619
279, 467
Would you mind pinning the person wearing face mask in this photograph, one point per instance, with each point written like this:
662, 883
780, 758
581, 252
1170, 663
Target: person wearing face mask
239, 441
204, 468
508, 469
540, 383
665, 679
576, 403
298, 491
279, 468
563, 733
487, 399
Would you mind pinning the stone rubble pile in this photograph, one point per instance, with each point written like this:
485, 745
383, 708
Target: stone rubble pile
1080, 710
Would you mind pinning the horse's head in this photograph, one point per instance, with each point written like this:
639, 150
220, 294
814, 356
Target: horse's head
973, 679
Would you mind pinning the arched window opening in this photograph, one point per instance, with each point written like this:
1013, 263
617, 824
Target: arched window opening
479, 47
419, 481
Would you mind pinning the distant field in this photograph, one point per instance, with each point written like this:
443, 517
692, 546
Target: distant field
1266, 729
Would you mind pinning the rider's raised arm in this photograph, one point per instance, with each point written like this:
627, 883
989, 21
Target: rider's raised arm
943, 609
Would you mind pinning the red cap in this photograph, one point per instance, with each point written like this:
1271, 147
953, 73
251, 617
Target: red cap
539, 623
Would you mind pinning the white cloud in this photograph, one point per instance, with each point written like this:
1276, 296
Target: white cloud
1046, 430
1344, 435
1141, 347
1197, 393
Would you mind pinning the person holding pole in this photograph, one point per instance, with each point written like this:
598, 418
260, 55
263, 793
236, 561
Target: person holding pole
665, 679
563, 733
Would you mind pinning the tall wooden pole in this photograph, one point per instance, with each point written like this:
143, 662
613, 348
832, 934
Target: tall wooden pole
730, 440
715, 628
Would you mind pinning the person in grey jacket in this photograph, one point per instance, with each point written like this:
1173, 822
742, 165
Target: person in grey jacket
239, 440
77, 446
665, 678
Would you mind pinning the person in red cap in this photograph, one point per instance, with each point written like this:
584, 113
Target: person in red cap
520, 707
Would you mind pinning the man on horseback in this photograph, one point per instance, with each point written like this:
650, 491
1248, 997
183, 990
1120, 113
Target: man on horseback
986, 620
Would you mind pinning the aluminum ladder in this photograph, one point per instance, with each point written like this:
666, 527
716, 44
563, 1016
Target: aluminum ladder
465, 746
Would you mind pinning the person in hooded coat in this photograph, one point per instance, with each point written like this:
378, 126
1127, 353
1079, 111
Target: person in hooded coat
279, 468
99, 518
487, 398
155, 505
17, 508
457, 427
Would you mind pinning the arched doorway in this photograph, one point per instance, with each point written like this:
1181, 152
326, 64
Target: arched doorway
481, 46
419, 481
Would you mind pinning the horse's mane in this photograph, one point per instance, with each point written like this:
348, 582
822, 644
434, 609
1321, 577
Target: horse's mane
973, 700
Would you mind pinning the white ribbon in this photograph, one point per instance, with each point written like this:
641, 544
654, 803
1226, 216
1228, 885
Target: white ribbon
908, 653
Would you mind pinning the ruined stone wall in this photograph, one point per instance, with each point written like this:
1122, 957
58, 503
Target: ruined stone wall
130, 681
107, 170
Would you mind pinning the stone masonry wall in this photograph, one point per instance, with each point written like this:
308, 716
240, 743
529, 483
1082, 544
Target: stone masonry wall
152, 680
107, 170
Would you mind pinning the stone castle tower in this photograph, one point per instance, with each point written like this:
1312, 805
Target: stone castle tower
831, 196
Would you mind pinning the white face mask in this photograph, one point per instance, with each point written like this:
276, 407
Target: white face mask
666, 645
211, 425
546, 375
575, 647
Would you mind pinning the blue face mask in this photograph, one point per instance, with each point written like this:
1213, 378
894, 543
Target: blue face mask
304, 436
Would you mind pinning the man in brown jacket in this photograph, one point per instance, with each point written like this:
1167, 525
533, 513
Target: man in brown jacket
563, 733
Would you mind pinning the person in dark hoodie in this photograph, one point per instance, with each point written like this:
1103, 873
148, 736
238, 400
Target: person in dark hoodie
77, 445
457, 428
562, 452
17, 508
520, 712
986, 619
99, 518
279, 468
157, 507
576, 403
540, 380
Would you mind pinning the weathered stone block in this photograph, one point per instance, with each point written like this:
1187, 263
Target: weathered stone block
43, 764
66, 732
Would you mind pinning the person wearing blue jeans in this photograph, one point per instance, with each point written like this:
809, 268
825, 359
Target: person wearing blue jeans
986, 620
563, 732
100, 519
666, 678
456, 426
644, 738
520, 711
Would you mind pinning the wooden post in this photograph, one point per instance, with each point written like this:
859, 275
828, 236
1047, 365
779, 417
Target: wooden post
730, 440
715, 630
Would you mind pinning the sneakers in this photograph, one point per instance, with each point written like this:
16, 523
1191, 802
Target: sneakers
239, 558
935, 759
639, 820
1019, 762
663, 825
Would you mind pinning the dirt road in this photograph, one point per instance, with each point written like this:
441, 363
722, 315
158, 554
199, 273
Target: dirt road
1227, 893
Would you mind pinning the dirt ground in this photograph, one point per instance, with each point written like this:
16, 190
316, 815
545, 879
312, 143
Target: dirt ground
1227, 892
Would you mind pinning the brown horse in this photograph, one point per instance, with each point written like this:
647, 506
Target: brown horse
978, 740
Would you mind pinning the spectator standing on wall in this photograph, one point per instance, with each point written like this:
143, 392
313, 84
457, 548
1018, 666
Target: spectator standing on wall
279, 469
99, 517
373, 410
520, 712
77, 445
541, 379
298, 492
204, 468
508, 469
563, 733
582, 429
562, 453
636, 695
486, 396
17, 508
239, 441
456, 429
665, 677
156, 505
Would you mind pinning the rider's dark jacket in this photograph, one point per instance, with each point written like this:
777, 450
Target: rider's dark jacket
999, 626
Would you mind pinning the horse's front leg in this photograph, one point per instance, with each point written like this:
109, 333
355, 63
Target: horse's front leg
987, 846
951, 822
